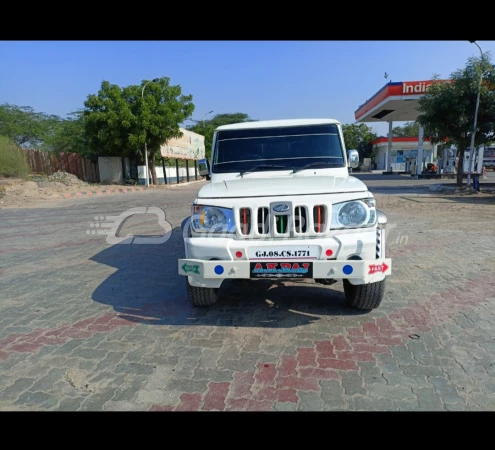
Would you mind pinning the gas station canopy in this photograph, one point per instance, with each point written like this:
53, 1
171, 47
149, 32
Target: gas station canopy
394, 102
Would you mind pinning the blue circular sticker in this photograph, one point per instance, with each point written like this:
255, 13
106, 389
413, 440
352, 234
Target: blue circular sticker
347, 269
218, 270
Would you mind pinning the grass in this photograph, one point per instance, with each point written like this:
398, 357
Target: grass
12, 161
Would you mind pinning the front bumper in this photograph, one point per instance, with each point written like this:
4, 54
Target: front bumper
211, 273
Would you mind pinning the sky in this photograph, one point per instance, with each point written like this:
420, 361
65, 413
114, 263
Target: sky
265, 79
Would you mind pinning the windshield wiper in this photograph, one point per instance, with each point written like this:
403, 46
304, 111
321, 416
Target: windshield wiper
263, 166
317, 164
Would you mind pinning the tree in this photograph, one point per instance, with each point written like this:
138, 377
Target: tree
447, 109
24, 125
108, 121
207, 128
68, 136
410, 129
119, 121
359, 137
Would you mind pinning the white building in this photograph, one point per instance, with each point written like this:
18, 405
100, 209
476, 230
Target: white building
404, 151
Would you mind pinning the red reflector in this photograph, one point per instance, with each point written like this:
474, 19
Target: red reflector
238, 254
329, 252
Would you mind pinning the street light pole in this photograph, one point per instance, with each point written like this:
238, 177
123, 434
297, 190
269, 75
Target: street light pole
147, 172
471, 152
203, 121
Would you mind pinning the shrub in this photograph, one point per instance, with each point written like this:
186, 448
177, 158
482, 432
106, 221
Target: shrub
12, 161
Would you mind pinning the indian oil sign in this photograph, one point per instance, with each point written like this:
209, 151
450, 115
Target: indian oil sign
418, 87
415, 87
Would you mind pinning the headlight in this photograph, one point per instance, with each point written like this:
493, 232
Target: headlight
212, 219
354, 214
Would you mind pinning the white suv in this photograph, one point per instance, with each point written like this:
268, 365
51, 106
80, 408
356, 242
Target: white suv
280, 204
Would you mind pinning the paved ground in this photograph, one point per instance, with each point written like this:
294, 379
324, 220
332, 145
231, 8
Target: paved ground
85, 325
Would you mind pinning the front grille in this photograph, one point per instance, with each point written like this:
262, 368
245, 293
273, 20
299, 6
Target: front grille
300, 220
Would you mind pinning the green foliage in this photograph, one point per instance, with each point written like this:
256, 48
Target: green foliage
119, 121
447, 109
68, 136
108, 121
207, 128
410, 129
12, 160
359, 137
25, 126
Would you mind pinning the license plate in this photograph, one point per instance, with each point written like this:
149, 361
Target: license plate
267, 269
289, 252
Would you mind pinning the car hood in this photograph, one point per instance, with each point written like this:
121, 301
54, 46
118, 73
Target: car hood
277, 186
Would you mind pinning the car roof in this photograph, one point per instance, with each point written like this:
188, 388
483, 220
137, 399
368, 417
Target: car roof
277, 124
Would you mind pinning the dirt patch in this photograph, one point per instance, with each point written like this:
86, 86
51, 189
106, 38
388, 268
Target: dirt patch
18, 192
78, 380
66, 178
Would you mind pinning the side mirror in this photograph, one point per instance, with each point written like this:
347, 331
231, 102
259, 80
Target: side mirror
353, 159
204, 168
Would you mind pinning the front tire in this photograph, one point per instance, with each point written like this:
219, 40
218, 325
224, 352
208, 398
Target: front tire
200, 296
364, 296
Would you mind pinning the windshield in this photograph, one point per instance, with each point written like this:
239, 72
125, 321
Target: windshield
289, 147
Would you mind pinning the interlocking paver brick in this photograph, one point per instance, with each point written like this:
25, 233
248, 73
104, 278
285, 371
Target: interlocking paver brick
445, 390
332, 393
185, 385
406, 405
416, 369
285, 406
46, 382
393, 392
69, 404
371, 373
37, 399
352, 383
310, 401
406, 381
119, 315
216, 396
428, 399
361, 403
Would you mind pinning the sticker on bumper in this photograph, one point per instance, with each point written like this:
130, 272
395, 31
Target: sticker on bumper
374, 268
190, 268
281, 270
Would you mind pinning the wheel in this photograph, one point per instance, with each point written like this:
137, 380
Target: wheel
200, 296
364, 296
